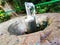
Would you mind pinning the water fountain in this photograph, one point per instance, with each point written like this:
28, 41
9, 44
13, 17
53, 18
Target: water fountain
44, 37
29, 24
30, 20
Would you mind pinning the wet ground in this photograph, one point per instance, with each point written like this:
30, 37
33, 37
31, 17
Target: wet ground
34, 38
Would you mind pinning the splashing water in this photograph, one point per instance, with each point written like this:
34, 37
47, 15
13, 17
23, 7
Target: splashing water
30, 8
30, 20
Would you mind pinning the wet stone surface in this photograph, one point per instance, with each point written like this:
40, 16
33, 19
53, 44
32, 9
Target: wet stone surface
33, 38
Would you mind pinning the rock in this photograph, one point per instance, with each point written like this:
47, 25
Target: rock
17, 28
33, 38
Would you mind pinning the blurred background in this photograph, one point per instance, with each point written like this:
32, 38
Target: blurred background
17, 7
42, 6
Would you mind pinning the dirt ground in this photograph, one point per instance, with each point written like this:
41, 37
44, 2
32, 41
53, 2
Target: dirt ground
34, 38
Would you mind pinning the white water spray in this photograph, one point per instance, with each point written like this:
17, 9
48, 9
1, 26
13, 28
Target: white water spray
30, 20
